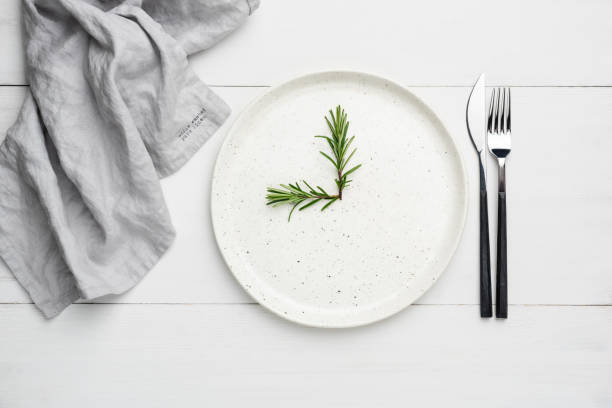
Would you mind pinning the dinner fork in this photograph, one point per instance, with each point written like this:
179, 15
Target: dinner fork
499, 135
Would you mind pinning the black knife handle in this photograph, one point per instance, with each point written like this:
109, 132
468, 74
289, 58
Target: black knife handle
486, 303
501, 289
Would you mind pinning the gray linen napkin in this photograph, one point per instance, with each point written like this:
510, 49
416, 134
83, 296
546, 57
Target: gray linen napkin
113, 106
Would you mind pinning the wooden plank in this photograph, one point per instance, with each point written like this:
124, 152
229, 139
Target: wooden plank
435, 42
240, 355
558, 206
11, 45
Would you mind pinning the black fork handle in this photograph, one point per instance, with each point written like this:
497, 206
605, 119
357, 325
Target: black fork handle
486, 303
501, 289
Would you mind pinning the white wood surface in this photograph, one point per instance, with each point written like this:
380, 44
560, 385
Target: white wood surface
188, 336
434, 42
242, 356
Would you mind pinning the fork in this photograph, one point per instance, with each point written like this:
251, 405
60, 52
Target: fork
499, 135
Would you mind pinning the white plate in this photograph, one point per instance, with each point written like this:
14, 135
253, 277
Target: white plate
365, 257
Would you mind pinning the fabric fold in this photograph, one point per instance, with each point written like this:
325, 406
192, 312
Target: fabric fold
113, 106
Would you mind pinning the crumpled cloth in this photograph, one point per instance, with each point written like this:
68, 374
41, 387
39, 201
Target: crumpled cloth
113, 106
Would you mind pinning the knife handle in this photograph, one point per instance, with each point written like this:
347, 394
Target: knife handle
501, 289
486, 303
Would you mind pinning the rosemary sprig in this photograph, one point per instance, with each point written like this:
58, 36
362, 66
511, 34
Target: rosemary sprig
295, 195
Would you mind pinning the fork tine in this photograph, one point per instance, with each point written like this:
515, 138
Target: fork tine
506, 107
491, 110
507, 111
499, 108
502, 112
508, 128
495, 108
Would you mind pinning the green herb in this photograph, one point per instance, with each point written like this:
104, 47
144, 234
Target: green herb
296, 195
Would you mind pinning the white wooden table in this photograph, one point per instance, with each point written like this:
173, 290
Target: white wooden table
188, 336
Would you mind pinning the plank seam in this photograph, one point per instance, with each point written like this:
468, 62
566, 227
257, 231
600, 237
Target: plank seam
403, 84
257, 304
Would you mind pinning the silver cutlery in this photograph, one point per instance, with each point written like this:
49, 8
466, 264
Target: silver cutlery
475, 116
499, 138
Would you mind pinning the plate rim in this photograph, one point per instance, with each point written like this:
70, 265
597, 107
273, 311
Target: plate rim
240, 117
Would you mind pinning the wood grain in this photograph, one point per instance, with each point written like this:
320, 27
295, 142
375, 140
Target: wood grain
240, 355
436, 42
11, 45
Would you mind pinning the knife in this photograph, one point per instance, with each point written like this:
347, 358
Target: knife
475, 116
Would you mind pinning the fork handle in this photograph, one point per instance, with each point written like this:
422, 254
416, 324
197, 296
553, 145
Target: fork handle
501, 289
486, 303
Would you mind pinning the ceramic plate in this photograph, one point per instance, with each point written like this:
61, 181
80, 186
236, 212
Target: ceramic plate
365, 257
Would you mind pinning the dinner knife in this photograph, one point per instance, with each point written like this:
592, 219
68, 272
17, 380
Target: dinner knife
475, 116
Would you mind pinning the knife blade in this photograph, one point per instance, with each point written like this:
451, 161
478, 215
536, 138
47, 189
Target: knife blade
475, 116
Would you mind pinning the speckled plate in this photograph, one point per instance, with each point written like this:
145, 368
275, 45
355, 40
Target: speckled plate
365, 257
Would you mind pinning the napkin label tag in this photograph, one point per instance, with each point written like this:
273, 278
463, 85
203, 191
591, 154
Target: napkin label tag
195, 123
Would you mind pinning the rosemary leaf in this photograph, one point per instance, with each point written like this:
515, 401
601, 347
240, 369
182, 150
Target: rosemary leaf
333, 200
310, 203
